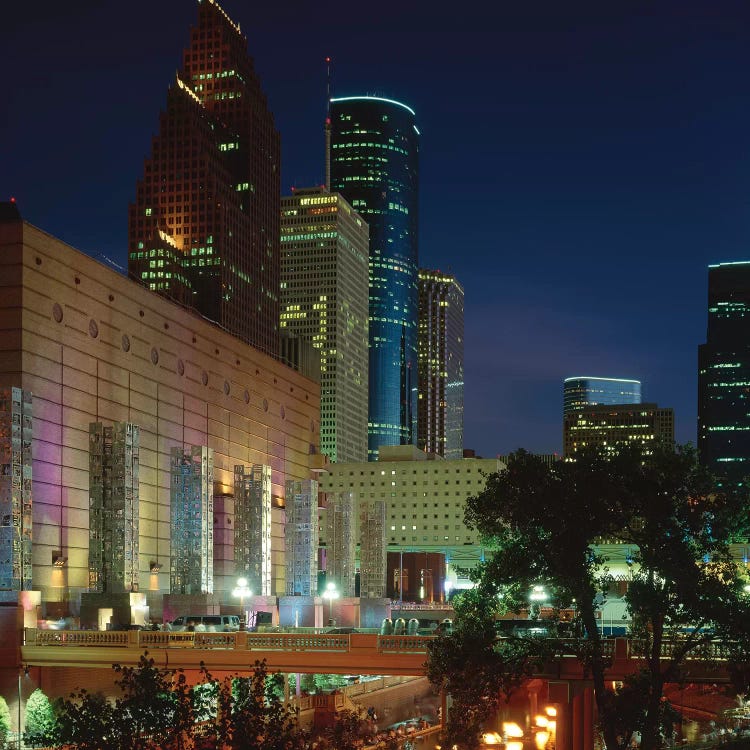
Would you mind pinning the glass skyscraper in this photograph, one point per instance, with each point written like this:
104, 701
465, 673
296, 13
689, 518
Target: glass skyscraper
580, 392
373, 161
724, 374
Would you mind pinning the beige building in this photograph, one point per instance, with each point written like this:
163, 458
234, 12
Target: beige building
92, 346
425, 498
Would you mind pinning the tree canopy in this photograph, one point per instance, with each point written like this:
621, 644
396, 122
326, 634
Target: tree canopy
545, 525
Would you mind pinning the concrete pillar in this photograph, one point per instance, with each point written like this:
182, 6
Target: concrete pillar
588, 718
577, 722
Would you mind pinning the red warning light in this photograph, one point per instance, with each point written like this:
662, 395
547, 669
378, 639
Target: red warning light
13, 200
328, 59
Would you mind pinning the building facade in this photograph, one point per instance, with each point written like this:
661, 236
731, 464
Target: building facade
204, 227
425, 498
302, 538
724, 374
580, 392
610, 427
341, 542
440, 344
373, 161
324, 290
372, 549
93, 346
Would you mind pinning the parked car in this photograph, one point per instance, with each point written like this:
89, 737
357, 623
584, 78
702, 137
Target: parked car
212, 623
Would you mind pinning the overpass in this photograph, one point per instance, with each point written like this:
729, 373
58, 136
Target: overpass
354, 653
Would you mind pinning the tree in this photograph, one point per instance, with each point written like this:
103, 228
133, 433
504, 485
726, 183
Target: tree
87, 721
40, 728
544, 522
4, 721
474, 667
253, 713
346, 730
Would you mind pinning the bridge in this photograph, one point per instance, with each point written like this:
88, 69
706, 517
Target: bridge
351, 653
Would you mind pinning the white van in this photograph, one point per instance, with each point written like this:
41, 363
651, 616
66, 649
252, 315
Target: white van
212, 623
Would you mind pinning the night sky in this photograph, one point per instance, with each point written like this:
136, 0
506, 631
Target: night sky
581, 165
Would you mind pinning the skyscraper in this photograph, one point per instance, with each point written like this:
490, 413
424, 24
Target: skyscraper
204, 228
324, 283
373, 161
608, 427
724, 374
580, 392
440, 343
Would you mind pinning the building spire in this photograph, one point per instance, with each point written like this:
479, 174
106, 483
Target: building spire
328, 123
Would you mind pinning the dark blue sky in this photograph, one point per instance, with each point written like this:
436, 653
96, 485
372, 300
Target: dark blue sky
581, 164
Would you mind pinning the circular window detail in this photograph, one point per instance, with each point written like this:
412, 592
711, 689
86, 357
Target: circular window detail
283, 413
57, 313
154, 355
265, 404
125, 343
180, 367
226, 387
247, 396
93, 329
204, 378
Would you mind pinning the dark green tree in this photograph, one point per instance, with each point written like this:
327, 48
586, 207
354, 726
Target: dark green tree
544, 524
87, 721
346, 731
4, 722
40, 727
474, 667
253, 714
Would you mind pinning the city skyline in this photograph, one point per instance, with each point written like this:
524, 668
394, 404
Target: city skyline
604, 152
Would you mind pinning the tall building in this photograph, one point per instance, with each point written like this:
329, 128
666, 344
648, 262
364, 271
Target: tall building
373, 161
580, 392
724, 374
440, 344
372, 549
204, 227
324, 290
610, 426
340, 542
301, 534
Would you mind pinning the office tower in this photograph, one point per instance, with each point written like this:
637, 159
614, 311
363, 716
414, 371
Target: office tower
611, 426
340, 543
724, 374
440, 345
373, 161
301, 535
204, 227
16, 428
372, 549
581, 392
252, 527
191, 515
113, 507
324, 290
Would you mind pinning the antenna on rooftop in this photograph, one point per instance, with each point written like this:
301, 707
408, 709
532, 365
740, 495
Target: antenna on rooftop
328, 123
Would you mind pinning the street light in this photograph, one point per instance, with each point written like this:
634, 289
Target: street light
241, 590
330, 593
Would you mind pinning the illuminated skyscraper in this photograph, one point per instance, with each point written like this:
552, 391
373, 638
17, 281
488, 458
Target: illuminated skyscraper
580, 392
373, 161
440, 405
724, 374
324, 283
204, 228
608, 427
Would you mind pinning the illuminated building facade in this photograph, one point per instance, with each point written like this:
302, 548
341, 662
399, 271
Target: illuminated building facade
324, 289
581, 392
16, 514
610, 426
302, 534
252, 527
440, 405
114, 507
724, 374
373, 161
372, 549
191, 515
204, 227
93, 346
425, 498
340, 542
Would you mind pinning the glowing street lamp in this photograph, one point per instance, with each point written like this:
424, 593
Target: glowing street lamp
241, 591
330, 593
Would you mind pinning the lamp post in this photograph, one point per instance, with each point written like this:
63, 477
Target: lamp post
241, 590
330, 593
